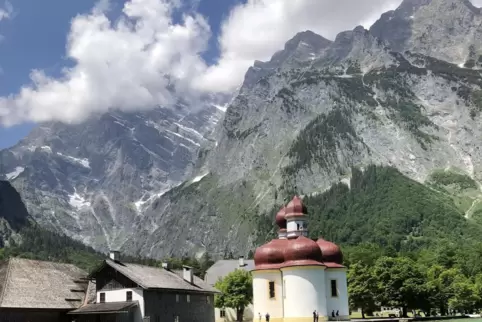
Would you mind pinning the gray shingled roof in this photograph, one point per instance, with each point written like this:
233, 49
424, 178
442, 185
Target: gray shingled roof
149, 277
40, 285
223, 267
110, 307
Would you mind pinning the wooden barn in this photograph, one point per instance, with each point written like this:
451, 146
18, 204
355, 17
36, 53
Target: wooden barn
40, 291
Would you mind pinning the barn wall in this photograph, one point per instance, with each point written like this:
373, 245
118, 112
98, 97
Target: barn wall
9, 315
175, 307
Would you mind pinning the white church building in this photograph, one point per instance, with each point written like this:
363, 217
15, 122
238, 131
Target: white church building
295, 275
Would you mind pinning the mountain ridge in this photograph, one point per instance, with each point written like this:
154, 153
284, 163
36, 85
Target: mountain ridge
299, 124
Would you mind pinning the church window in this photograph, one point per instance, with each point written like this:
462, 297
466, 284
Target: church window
334, 289
177, 298
188, 298
271, 290
222, 313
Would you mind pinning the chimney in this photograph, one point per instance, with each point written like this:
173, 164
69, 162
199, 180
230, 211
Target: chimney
187, 274
114, 255
165, 265
241, 261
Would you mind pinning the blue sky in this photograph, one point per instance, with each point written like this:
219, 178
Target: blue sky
35, 38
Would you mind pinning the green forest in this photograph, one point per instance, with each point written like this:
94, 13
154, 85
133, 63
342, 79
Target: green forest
441, 280
41, 244
406, 244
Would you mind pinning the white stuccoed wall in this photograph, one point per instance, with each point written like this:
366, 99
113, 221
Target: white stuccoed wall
261, 301
305, 291
339, 303
120, 296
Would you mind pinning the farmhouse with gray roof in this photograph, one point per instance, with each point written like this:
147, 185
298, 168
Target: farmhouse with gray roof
218, 271
40, 291
132, 292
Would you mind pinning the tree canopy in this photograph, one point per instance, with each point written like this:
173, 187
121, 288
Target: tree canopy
236, 292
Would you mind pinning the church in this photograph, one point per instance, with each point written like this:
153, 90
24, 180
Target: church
295, 275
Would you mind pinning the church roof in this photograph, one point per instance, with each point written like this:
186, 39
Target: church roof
331, 251
280, 218
32, 284
297, 250
295, 208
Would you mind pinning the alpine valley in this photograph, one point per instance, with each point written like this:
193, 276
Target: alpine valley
379, 130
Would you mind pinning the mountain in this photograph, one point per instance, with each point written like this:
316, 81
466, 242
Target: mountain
13, 213
303, 125
405, 96
447, 30
91, 181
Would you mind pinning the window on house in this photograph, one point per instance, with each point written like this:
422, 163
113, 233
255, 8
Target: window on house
222, 313
188, 298
208, 299
271, 290
177, 298
102, 297
129, 296
334, 289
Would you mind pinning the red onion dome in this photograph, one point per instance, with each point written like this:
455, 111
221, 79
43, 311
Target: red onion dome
295, 208
302, 251
270, 255
331, 251
280, 218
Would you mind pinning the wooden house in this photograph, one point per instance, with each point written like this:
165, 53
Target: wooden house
136, 293
40, 291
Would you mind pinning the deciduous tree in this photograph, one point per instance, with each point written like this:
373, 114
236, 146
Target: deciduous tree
236, 292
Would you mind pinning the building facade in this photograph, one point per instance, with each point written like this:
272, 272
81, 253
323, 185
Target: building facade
295, 276
135, 293
218, 271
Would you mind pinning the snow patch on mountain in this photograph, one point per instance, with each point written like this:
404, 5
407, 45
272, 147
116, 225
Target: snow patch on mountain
15, 173
78, 202
83, 162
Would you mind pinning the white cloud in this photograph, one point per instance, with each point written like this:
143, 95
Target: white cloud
6, 11
124, 64
117, 64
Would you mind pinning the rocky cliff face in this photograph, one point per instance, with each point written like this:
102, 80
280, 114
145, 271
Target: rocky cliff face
93, 181
13, 213
443, 29
407, 93
388, 96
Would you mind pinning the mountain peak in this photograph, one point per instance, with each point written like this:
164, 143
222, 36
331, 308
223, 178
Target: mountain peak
437, 28
304, 46
316, 41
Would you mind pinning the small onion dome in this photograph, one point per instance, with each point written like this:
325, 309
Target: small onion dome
280, 218
331, 251
270, 255
295, 208
302, 251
